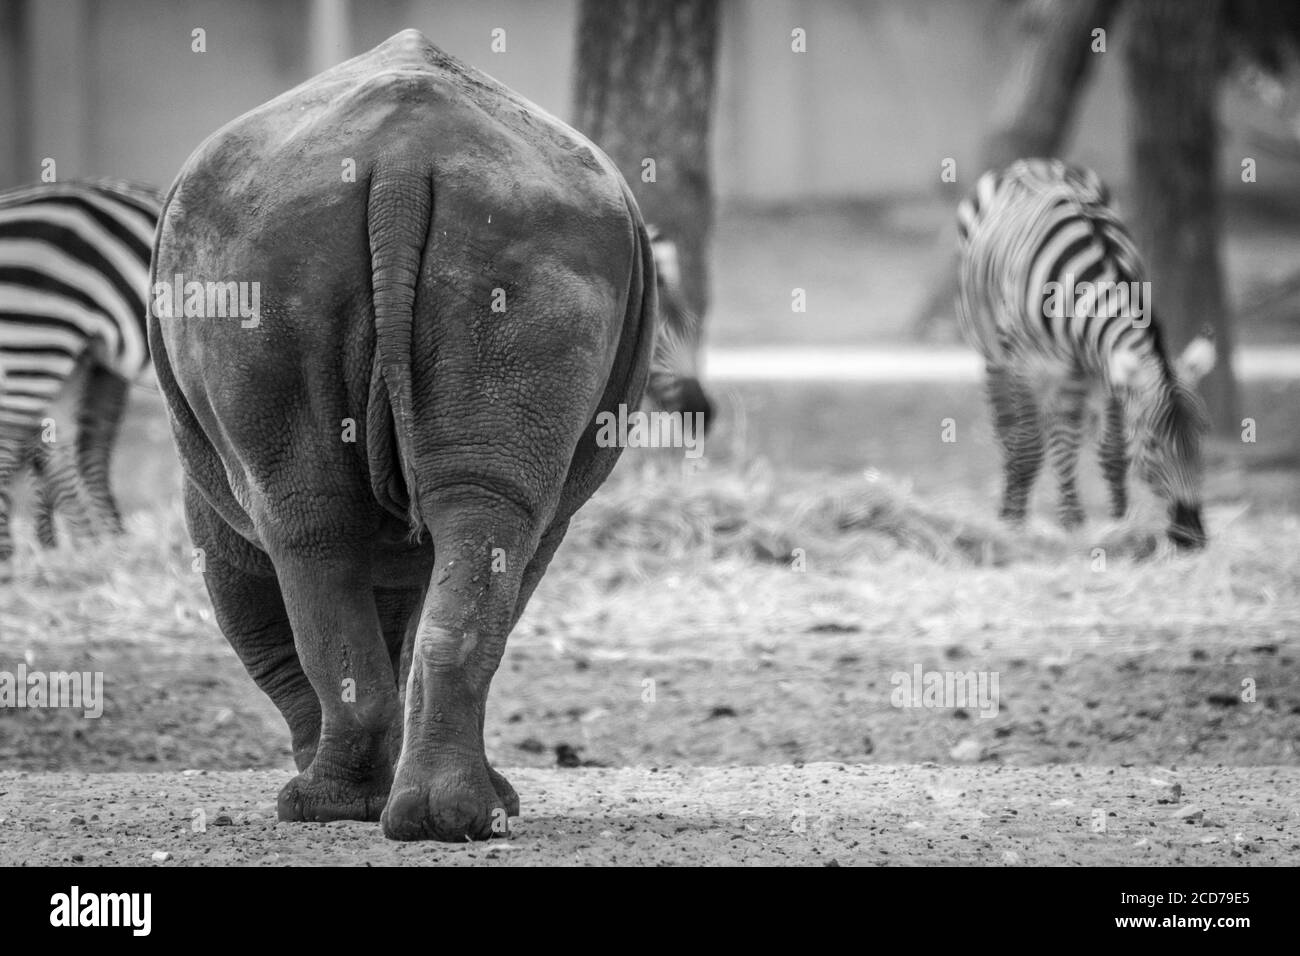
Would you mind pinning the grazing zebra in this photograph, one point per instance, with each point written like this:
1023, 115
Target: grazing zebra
1053, 296
674, 381
74, 267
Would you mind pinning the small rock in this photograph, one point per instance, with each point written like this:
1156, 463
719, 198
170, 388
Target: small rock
1010, 857
78, 858
968, 751
1142, 842
193, 773
160, 856
567, 756
223, 820
1063, 802
831, 862
1167, 791
721, 711
1189, 814
531, 745
78, 821
914, 825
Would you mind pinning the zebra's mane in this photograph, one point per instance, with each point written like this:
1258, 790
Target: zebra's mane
1178, 418
142, 193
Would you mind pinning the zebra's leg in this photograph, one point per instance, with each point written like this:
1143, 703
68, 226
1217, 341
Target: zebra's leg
1065, 431
59, 489
45, 532
16, 447
1114, 455
1019, 433
99, 413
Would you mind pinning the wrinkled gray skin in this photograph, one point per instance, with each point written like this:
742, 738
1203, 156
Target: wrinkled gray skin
474, 429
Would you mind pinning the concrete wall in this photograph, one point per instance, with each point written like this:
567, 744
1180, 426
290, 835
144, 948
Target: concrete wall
886, 91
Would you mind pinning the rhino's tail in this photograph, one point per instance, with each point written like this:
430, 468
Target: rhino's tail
398, 215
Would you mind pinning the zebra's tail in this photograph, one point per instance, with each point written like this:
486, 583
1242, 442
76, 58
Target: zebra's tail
398, 215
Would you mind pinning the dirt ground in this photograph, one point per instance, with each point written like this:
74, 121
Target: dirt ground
820, 814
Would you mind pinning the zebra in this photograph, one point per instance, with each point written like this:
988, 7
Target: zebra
1053, 296
74, 267
674, 380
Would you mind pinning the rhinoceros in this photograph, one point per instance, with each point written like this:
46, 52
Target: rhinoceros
380, 463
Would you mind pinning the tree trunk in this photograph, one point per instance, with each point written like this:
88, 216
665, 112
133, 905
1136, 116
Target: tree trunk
18, 166
1032, 115
643, 91
1173, 73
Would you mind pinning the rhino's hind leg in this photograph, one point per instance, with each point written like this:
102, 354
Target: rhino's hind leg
444, 788
341, 646
399, 615
250, 612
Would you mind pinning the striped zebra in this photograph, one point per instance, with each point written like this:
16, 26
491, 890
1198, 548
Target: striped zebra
674, 380
74, 268
1054, 297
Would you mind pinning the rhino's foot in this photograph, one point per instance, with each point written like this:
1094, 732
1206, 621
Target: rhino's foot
453, 807
311, 800
505, 793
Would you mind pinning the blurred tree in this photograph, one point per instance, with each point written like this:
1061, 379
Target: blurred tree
1032, 114
643, 92
15, 166
1264, 33
1174, 63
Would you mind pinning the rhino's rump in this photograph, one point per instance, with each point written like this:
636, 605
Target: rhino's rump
521, 207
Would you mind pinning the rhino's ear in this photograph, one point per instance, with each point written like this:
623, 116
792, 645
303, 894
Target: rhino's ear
1197, 359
